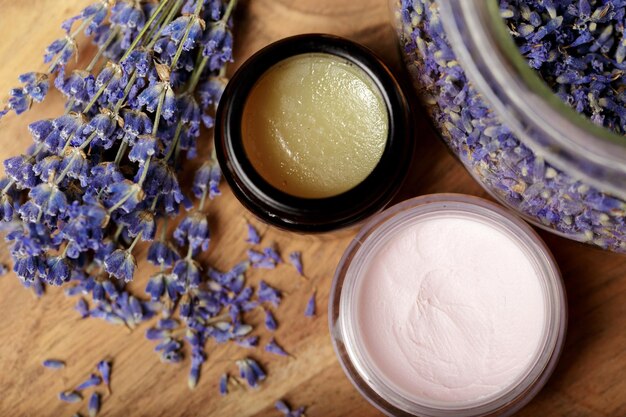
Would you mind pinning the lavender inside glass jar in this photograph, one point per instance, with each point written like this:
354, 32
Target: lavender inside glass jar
528, 148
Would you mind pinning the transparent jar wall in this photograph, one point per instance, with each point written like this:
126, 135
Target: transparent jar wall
554, 199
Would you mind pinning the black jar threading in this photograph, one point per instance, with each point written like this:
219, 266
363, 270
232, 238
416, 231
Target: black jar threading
312, 215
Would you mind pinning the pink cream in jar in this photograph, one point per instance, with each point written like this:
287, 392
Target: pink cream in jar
447, 305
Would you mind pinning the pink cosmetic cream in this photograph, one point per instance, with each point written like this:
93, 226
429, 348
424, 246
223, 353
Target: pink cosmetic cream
448, 305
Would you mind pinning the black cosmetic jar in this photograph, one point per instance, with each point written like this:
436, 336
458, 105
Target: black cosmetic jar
313, 215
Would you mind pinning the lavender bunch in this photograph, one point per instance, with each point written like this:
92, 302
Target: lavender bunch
105, 175
99, 177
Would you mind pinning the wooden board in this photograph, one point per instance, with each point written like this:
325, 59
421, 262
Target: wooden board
589, 380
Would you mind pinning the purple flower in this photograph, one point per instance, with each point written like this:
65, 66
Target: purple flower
274, 348
310, 306
59, 270
49, 198
194, 230
124, 195
223, 385
218, 45
187, 271
121, 264
144, 148
93, 380
248, 342
267, 293
139, 222
295, 258
53, 364
104, 368
94, 404
251, 371
35, 85
270, 321
151, 96
253, 235
211, 91
70, 396
207, 178
284, 408
162, 253
82, 308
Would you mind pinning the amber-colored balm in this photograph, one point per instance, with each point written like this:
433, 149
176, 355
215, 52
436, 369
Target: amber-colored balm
315, 125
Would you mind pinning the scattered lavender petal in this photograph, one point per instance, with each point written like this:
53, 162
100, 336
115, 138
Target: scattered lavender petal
70, 396
273, 347
4, 269
272, 254
224, 384
253, 235
93, 380
104, 367
282, 407
94, 404
248, 342
267, 293
295, 258
255, 256
264, 264
53, 364
82, 308
270, 321
310, 306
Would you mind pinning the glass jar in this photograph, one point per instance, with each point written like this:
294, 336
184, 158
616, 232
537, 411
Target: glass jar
528, 149
345, 303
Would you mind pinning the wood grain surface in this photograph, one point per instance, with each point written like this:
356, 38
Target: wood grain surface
590, 379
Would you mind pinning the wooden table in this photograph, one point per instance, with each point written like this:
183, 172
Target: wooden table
589, 381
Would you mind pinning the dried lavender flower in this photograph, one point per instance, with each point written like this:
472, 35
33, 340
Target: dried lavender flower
223, 385
253, 235
275, 348
104, 368
295, 258
267, 293
94, 404
53, 364
92, 381
310, 306
82, 308
70, 396
3, 270
251, 371
284, 408
270, 321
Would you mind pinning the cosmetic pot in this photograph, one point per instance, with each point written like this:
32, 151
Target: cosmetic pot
312, 134
447, 305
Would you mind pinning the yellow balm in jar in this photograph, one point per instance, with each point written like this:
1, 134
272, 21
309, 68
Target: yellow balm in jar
315, 125
312, 134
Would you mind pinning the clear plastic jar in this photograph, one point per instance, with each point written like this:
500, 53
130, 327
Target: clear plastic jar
345, 304
528, 149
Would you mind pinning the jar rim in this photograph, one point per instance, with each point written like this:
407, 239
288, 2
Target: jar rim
313, 214
344, 336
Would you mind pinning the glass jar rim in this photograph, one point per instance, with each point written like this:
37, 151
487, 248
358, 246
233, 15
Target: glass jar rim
345, 339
